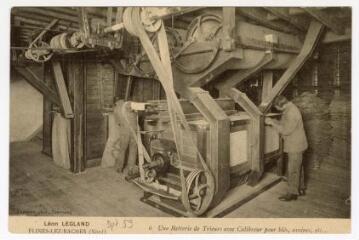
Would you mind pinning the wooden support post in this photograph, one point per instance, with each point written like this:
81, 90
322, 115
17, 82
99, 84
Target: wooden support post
47, 115
38, 84
267, 83
76, 91
84, 23
309, 44
218, 159
256, 136
109, 16
280, 160
128, 87
229, 28
62, 90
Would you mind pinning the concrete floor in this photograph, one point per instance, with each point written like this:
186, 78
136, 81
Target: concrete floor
38, 187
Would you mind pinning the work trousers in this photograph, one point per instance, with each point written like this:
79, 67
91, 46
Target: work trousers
295, 172
126, 143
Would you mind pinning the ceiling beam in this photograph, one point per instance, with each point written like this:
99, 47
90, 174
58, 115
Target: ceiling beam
46, 12
260, 16
283, 13
43, 18
42, 24
327, 20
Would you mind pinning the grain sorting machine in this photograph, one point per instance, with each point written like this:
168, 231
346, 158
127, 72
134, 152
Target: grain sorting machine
207, 136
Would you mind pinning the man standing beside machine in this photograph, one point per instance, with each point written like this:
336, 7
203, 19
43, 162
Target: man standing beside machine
290, 126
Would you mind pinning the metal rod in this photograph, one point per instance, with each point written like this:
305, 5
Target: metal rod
114, 28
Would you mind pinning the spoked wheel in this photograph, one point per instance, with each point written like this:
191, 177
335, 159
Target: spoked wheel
39, 52
200, 191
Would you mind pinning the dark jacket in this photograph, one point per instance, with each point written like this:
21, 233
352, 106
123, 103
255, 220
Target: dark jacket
291, 128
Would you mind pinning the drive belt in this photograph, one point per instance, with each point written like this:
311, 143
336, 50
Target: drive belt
163, 69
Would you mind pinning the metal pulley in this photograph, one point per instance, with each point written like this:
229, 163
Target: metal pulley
206, 27
39, 52
175, 42
149, 17
67, 40
200, 190
203, 37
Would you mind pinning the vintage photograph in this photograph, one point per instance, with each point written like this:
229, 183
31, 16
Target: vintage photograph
189, 112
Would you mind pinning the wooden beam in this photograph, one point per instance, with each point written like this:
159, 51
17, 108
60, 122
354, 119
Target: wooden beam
128, 87
47, 114
62, 90
283, 13
267, 83
309, 45
47, 28
84, 23
109, 16
229, 28
328, 20
330, 37
38, 84
76, 92
48, 13
43, 19
243, 75
40, 23
218, 159
245, 103
256, 136
260, 16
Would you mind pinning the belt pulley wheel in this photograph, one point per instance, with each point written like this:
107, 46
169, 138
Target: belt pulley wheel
200, 190
174, 42
39, 52
150, 25
205, 27
203, 38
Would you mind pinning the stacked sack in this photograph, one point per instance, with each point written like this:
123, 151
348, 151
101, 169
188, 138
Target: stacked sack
340, 117
315, 113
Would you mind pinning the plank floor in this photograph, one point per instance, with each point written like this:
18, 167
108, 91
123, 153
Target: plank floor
39, 188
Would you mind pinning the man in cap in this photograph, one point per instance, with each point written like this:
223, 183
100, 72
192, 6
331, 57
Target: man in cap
291, 128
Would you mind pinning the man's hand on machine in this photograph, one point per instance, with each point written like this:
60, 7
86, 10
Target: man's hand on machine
269, 121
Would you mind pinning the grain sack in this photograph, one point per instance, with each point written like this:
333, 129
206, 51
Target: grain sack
340, 120
111, 151
61, 141
315, 115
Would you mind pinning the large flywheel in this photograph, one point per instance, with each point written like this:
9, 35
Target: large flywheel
200, 191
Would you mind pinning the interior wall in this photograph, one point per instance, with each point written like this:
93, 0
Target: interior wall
26, 108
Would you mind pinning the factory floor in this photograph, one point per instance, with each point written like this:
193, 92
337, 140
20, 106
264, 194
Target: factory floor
38, 187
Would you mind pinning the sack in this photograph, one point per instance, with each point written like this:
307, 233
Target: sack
109, 155
61, 141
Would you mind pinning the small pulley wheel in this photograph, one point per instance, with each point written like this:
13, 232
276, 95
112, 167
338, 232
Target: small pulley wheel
39, 52
150, 24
